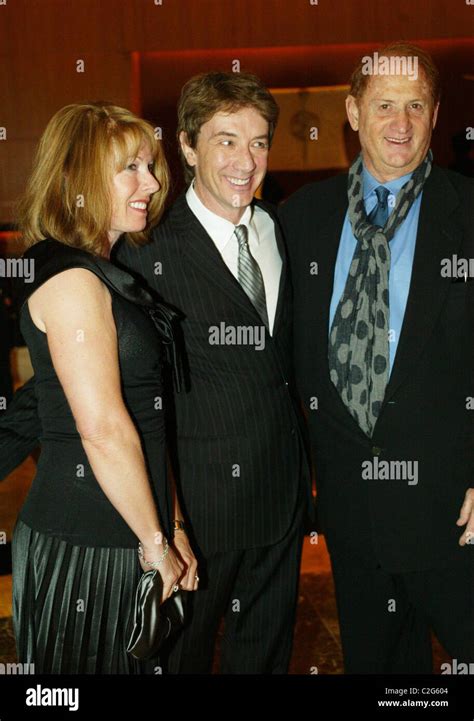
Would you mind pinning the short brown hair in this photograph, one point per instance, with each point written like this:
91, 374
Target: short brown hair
359, 79
80, 150
206, 94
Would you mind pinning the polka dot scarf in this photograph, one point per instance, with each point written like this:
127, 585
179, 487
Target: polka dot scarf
359, 341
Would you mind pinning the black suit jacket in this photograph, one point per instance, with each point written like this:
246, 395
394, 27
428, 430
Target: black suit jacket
239, 433
424, 416
238, 423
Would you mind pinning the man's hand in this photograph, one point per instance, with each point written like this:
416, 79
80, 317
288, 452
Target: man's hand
467, 516
184, 552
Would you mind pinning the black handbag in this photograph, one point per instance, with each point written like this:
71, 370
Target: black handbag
151, 621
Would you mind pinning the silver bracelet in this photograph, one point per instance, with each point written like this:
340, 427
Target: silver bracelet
152, 564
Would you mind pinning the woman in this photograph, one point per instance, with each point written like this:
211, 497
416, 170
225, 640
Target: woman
101, 485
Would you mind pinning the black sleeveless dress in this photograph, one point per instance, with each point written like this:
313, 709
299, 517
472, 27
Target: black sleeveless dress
75, 565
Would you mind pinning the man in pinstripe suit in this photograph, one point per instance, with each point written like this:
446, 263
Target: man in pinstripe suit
241, 469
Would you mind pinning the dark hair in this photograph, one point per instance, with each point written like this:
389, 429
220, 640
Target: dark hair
208, 93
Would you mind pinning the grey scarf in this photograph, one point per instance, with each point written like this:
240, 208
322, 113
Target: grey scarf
358, 342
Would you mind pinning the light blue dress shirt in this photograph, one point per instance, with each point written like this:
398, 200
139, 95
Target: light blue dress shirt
402, 247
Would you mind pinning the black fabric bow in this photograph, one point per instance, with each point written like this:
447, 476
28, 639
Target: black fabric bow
164, 318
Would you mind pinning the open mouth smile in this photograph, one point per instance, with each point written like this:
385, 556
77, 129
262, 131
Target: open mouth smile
139, 205
239, 182
398, 141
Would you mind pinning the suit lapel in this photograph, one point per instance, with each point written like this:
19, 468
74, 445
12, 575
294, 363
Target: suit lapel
200, 250
438, 237
323, 249
325, 253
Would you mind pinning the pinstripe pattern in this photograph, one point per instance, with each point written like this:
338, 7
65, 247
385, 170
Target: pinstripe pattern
239, 414
238, 426
256, 591
249, 273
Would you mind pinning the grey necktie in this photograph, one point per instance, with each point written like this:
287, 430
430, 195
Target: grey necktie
250, 275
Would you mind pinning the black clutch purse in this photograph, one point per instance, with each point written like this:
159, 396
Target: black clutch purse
151, 621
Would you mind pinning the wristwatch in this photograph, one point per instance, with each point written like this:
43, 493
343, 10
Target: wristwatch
179, 525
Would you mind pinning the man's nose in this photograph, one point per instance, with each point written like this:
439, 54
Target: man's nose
244, 159
402, 121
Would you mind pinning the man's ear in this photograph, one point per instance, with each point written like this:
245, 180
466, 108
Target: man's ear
352, 111
187, 150
435, 115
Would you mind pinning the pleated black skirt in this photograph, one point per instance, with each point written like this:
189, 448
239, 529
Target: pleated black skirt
71, 605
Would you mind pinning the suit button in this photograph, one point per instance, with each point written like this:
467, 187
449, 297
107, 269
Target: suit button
293, 431
376, 451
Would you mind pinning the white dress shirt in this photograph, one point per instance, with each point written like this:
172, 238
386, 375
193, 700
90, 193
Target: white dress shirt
262, 244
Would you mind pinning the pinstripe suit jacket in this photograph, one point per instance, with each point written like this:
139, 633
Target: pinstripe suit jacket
238, 424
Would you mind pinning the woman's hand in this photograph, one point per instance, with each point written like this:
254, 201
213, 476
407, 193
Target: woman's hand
189, 580
170, 569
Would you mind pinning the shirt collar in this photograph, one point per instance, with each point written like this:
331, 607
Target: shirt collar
221, 229
370, 183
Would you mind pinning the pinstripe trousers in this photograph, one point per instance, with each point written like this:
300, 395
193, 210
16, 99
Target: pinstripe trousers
255, 590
